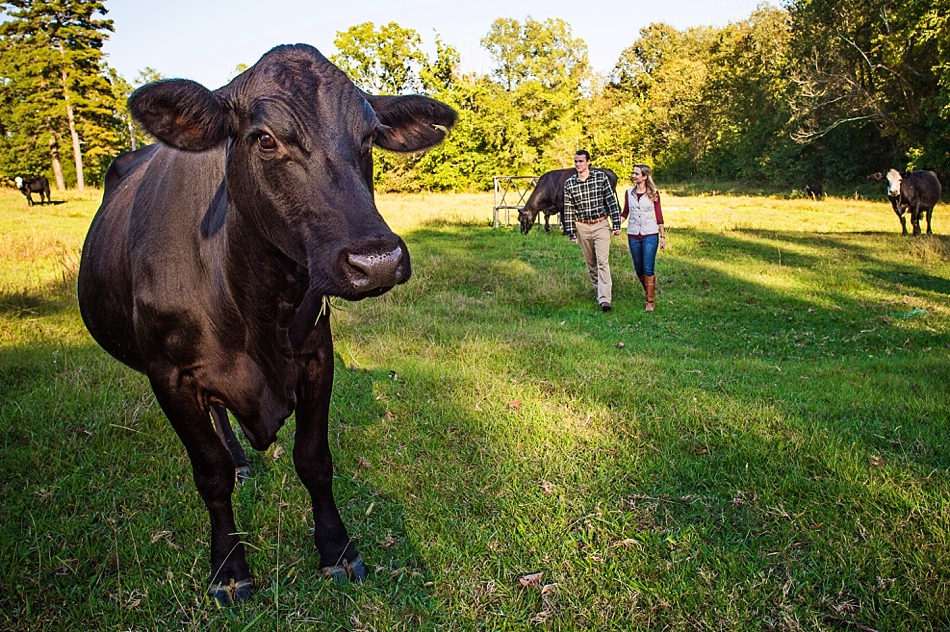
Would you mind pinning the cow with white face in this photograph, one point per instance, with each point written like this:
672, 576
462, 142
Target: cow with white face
916, 191
33, 184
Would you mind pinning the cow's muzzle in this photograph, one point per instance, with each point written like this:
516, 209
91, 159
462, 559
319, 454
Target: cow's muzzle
369, 272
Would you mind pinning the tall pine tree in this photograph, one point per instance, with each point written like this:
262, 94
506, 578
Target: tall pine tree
53, 83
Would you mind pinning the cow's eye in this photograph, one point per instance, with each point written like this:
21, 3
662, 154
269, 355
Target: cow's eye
266, 142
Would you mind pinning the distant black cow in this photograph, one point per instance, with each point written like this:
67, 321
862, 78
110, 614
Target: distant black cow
814, 191
548, 197
208, 265
916, 191
33, 184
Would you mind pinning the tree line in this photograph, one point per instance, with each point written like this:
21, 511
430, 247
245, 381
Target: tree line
823, 91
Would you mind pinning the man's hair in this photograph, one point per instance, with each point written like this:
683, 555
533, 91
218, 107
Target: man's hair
582, 152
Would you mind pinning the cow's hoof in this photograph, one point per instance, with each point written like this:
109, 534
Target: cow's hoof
234, 592
354, 571
241, 474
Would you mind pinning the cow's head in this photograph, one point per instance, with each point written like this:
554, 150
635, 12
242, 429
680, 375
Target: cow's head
19, 182
299, 138
893, 183
526, 217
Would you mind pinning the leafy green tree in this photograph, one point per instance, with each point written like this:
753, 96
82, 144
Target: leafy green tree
880, 67
543, 70
51, 61
439, 76
746, 113
386, 61
131, 135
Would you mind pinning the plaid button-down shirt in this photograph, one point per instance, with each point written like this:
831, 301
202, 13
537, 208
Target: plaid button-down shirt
588, 200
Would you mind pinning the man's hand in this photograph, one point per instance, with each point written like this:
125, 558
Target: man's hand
573, 240
617, 232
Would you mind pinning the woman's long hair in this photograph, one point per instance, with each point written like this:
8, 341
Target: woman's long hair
652, 193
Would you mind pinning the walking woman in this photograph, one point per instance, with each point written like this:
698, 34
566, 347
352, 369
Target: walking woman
644, 229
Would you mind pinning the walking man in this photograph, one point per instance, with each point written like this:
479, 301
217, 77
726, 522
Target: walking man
588, 200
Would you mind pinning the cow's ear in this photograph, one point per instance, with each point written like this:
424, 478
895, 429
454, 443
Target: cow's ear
411, 123
182, 113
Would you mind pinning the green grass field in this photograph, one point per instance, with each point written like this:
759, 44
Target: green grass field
769, 450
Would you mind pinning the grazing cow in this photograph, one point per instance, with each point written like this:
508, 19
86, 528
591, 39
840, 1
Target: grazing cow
209, 264
33, 184
917, 191
548, 197
815, 191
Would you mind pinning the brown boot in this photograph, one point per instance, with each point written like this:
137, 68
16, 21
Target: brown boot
643, 281
650, 285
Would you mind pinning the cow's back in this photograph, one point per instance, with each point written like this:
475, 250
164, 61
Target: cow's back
105, 278
548, 193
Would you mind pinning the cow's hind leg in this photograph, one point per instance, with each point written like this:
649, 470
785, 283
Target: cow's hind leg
222, 426
338, 557
930, 212
213, 469
915, 219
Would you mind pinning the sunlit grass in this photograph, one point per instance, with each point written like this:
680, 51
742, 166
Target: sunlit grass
768, 450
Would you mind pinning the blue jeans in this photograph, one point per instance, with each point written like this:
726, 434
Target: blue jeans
643, 251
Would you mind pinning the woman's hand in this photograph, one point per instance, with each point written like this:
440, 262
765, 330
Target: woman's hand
663, 242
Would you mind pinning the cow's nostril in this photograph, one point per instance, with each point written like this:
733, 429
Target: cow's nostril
370, 271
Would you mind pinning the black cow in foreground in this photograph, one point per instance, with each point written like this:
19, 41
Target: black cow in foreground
815, 191
916, 191
209, 264
33, 184
548, 197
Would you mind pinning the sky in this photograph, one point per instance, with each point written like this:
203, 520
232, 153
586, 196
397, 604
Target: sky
205, 40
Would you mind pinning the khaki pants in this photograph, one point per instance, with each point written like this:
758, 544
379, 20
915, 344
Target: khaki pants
595, 244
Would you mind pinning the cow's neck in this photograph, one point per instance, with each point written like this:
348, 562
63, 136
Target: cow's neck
268, 288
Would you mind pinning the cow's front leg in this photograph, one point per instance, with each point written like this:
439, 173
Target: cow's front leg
930, 212
213, 469
547, 223
900, 216
312, 458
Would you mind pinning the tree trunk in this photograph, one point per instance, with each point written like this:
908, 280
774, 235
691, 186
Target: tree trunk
57, 165
77, 150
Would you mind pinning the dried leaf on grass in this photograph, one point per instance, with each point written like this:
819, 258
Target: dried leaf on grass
278, 451
363, 463
168, 537
387, 542
532, 580
541, 617
516, 404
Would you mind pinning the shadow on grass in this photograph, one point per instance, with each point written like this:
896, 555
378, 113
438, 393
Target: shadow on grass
99, 501
730, 413
505, 430
53, 297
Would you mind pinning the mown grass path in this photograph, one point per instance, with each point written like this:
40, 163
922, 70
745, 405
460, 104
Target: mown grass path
768, 450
